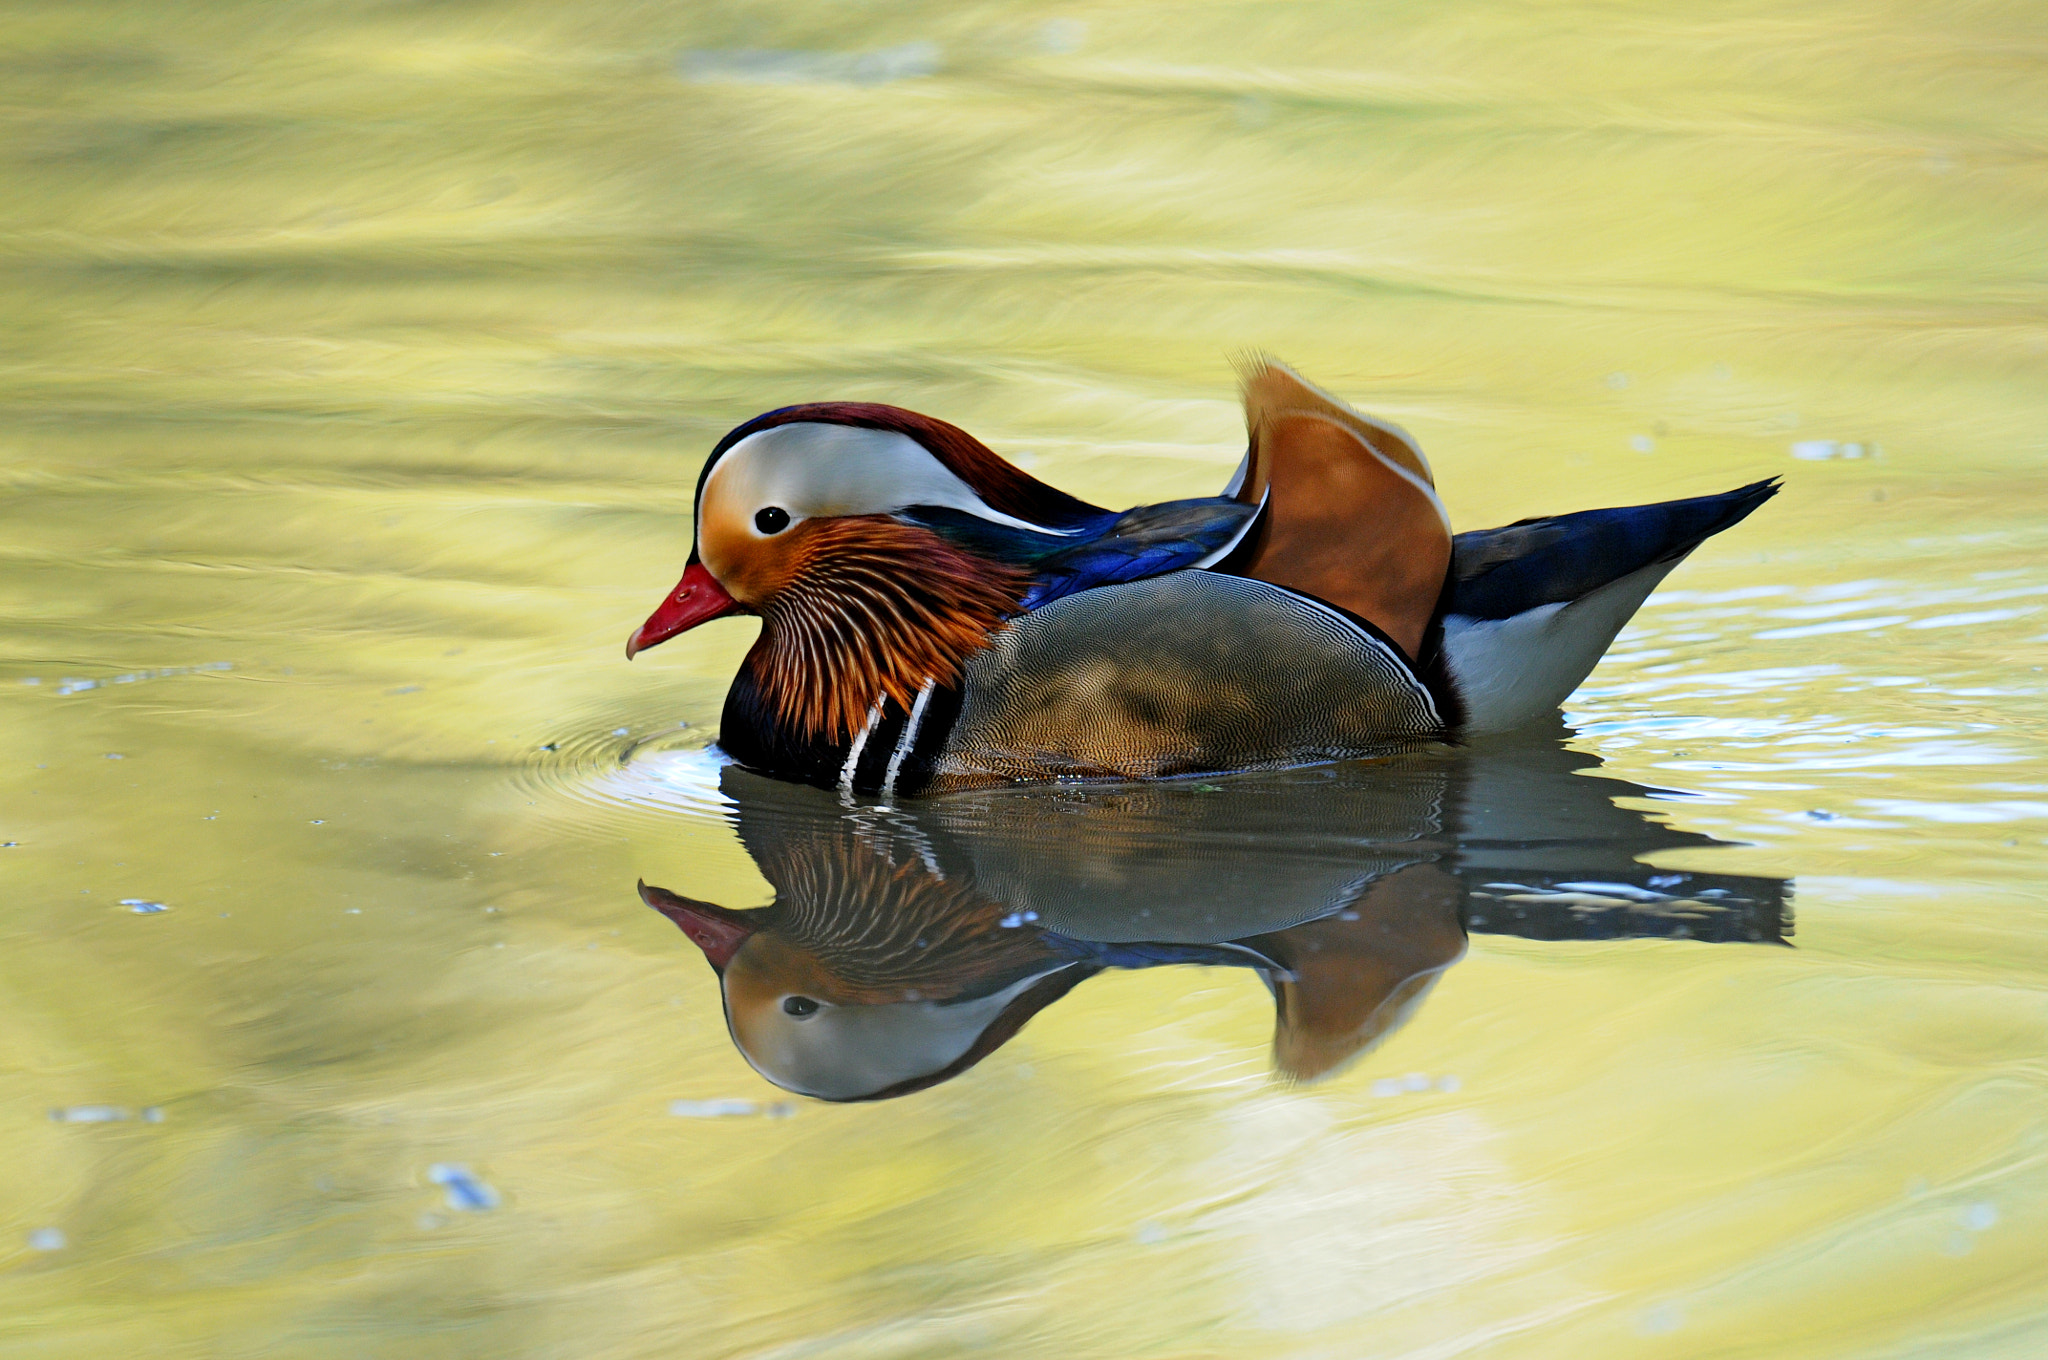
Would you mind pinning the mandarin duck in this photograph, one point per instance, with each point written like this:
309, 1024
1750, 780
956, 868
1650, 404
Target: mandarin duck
935, 619
902, 949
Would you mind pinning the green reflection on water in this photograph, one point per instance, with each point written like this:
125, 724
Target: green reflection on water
369, 351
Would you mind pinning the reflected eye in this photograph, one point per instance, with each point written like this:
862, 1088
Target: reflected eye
771, 520
801, 1007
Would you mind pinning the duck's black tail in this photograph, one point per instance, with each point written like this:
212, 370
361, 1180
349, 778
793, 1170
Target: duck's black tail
1499, 573
1530, 607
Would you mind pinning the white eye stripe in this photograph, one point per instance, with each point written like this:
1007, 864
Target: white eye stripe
814, 470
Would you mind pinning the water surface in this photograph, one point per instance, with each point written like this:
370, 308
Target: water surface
357, 363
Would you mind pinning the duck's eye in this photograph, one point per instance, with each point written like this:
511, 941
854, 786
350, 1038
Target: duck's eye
772, 519
799, 1006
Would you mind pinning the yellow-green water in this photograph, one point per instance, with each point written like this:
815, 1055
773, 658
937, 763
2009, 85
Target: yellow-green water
356, 362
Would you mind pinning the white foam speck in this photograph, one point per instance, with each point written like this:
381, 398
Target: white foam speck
1821, 450
465, 1191
713, 1109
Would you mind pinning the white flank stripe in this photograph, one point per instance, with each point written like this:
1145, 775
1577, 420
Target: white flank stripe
908, 740
1227, 549
859, 742
1401, 662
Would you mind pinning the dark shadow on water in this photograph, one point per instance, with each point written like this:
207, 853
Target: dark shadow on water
906, 944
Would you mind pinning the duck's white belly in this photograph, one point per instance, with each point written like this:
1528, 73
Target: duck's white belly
1512, 671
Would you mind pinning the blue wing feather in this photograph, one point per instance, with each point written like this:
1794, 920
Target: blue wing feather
1149, 540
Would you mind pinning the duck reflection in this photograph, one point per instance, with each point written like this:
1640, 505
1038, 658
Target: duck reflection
904, 945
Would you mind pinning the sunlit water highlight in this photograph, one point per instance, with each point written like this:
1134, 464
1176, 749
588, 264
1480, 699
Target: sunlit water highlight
358, 360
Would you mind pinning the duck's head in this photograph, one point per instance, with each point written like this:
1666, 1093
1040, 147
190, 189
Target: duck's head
879, 547
901, 992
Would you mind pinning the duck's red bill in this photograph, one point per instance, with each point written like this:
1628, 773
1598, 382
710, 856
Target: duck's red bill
717, 931
697, 598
